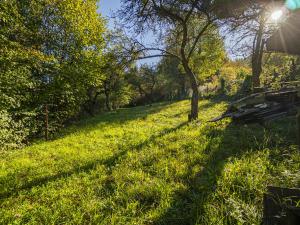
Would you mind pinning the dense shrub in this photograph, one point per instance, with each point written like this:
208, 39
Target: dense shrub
50, 53
12, 133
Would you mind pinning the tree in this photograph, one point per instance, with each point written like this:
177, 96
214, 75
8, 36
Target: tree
172, 78
115, 86
145, 80
250, 23
176, 17
49, 50
112, 89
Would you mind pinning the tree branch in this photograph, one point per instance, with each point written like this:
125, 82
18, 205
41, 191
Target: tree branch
197, 39
166, 12
153, 56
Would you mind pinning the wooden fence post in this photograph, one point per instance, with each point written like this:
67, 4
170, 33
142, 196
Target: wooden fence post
46, 123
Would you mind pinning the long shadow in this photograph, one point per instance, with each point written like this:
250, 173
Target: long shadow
108, 163
188, 205
213, 102
117, 117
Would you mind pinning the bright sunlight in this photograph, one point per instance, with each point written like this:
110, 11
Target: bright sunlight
277, 15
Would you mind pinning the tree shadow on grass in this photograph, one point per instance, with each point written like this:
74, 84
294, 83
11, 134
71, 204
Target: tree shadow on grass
189, 204
117, 117
108, 163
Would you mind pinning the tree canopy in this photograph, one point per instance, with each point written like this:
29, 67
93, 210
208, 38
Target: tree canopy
175, 20
50, 50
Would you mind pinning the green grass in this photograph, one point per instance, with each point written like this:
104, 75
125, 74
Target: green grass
146, 165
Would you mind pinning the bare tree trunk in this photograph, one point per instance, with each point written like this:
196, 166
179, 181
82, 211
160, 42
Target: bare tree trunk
195, 96
193, 79
257, 56
194, 105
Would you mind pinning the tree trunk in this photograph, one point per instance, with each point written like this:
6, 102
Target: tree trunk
107, 101
194, 105
192, 77
195, 96
257, 56
91, 106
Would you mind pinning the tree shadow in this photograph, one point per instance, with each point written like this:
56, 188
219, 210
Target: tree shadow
108, 163
117, 117
213, 102
189, 204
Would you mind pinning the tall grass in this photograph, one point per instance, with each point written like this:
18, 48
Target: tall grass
146, 165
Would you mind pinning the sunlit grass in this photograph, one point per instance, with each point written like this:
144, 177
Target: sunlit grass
146, 165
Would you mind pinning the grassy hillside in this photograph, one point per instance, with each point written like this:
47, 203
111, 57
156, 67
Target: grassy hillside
146, 165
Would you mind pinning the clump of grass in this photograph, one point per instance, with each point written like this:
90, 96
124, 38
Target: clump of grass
146, 165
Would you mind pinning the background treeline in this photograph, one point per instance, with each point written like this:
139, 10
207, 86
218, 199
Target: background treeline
60, 56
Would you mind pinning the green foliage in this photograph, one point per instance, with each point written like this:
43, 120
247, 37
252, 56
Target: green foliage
146, 165
115, 88
12, 133
164, 81
209, 53
235, 76
173, 80
279, 68
146, 83
50, 52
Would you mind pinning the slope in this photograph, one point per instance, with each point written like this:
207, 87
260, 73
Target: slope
146, 165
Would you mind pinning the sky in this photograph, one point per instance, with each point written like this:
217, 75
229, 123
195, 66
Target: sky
107, 8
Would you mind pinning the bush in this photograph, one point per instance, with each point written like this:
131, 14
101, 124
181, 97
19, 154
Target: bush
12, 133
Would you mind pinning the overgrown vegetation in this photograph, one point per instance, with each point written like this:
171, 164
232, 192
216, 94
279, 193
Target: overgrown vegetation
146, 165
64, 73
50, 54
60, 55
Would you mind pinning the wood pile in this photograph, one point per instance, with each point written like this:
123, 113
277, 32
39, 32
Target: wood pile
264, 106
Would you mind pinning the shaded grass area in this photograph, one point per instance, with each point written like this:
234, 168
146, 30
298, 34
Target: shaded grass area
146, 165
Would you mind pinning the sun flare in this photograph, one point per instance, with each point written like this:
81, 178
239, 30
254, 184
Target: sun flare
276, 15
